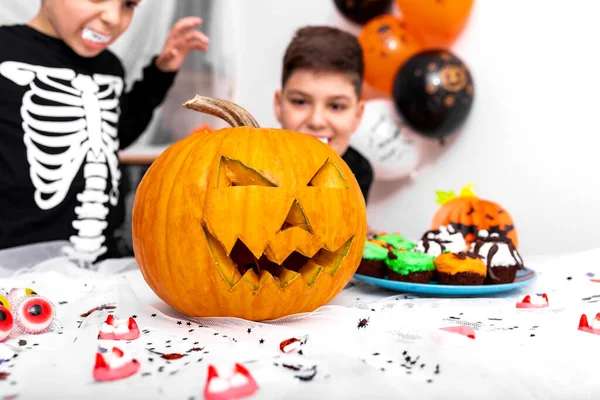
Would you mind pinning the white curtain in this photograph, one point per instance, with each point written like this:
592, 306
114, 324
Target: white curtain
210, 74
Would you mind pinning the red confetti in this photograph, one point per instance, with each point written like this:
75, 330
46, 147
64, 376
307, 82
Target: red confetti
172, 356
461, 330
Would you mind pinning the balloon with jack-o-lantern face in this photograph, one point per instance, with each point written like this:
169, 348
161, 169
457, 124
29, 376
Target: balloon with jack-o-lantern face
433, 91
248, 222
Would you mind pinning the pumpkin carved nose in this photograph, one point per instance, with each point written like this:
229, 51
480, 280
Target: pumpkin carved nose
296, 218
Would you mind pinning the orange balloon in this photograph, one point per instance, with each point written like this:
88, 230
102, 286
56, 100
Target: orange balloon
437, 22
201, 128
386, 45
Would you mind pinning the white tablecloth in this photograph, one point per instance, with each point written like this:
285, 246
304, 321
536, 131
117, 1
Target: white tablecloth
401, 353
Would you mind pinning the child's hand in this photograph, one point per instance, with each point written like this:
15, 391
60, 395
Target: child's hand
181, 40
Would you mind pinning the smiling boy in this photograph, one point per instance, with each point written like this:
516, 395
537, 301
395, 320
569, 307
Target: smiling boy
320, 95
320, 92
64, 115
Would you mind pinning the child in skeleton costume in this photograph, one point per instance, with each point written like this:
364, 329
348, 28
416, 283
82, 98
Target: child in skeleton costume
64, 114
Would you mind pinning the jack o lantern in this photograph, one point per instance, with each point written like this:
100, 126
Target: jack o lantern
247, 222
469, 214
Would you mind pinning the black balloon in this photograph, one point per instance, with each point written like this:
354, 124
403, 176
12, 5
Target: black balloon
433, 92
361, 11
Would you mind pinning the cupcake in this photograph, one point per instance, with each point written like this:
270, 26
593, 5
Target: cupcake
410, 266
445, 239
460, 269
373, 259
500, 256
396, 240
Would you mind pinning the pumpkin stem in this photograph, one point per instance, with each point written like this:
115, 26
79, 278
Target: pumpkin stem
229, 112
444, 197
467, 191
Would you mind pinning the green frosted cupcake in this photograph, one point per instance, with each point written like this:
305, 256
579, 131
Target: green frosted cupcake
397, 241
373, 260
410, 266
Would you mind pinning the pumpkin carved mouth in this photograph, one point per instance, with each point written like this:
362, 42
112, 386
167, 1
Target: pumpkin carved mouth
242, 265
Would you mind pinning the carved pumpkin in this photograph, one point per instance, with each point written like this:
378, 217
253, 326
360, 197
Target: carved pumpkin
247, 222
469, 214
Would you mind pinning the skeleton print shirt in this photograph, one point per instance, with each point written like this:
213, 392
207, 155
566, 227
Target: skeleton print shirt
62, 120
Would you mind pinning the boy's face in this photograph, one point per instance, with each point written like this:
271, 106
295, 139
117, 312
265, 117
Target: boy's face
320, 104
87, 26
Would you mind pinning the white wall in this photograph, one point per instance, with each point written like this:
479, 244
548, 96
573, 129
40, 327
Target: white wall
532, 139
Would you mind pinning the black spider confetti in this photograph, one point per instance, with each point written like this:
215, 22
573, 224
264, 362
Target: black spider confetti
363, 323
302, 373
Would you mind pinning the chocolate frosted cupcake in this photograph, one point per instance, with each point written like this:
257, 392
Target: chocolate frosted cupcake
410, 266
373, 260
500, 256
445, 239
397, 241
460, 269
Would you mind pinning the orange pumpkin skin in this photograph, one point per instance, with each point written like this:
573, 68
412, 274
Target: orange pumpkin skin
470, 214
209, 190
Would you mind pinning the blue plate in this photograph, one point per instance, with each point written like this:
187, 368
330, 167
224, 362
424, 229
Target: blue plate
524, 277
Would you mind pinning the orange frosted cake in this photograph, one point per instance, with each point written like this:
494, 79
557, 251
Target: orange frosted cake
460, 269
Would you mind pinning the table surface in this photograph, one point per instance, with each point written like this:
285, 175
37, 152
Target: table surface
141, 155
400, 353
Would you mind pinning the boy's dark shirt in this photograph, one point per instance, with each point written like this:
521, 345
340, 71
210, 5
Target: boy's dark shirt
362, 169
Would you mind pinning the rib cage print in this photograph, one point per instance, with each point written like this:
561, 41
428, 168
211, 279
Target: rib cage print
69, 121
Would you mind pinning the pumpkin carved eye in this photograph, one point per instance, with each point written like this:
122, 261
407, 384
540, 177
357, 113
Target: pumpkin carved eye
235, 173
329, 176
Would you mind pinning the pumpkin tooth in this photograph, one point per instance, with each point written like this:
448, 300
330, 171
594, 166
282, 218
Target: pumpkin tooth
310, 272
256, 281
242, 264
286, 277
224, 263
271, 256
331, 260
